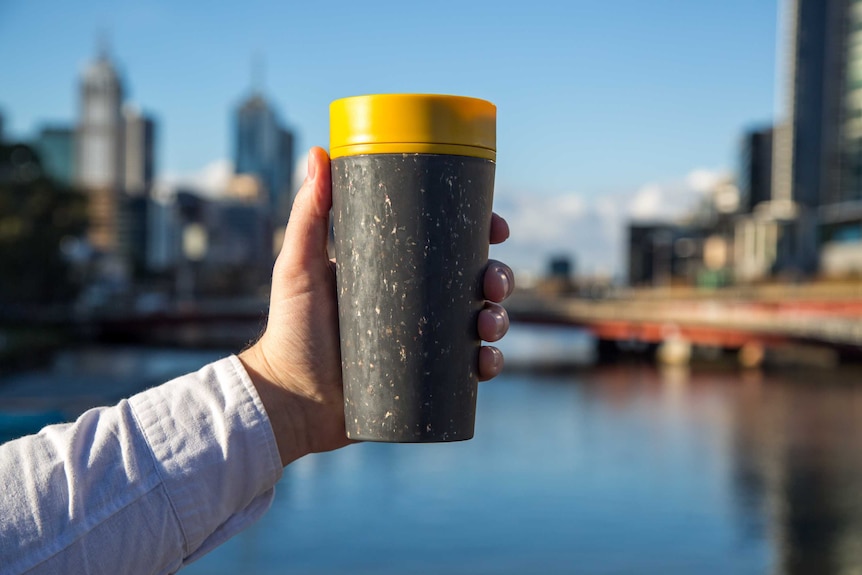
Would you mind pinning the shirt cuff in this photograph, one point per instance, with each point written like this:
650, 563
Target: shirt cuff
214, 449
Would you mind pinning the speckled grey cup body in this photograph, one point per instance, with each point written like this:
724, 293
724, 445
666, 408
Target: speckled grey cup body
411, 247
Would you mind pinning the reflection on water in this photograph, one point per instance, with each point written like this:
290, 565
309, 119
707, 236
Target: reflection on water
621, 469
798, 459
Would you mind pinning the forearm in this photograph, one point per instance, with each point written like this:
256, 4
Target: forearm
141, 487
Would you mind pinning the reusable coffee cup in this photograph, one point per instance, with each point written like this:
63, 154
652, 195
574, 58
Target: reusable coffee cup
413, 180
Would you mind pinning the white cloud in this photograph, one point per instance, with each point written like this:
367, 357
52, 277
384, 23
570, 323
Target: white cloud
703, 180
674, 198
571, 205
591, 230
209, 181
647, 202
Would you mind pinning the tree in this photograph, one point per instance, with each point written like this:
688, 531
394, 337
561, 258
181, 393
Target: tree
37, 216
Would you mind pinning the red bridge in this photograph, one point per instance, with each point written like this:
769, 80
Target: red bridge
828, 316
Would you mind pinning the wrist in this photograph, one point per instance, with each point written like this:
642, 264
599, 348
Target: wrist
284, 410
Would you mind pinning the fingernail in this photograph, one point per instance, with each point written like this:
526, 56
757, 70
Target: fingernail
312, 166
498, 357
505, 281
499, 324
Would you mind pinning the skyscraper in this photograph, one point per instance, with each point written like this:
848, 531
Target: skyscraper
264, 148
99, 149
850, 188
807, 145
99, 162
807, 154
839, 201
755, 169
139, 161
813, 148
841, 213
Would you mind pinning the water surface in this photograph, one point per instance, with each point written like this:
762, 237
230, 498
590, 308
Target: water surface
613, 469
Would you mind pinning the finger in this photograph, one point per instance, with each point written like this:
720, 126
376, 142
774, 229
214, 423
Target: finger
308, 228
490, 362
499, 229
499, 281
493, 322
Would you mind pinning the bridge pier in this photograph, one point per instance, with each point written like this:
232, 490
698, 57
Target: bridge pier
607, 350
674, 351
751, 355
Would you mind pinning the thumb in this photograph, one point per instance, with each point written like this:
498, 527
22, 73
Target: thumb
308, 229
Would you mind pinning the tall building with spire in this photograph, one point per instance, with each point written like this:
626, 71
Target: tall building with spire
99, 148
114, 162
264, 149
99, 162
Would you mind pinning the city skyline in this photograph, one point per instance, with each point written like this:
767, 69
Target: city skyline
649, 105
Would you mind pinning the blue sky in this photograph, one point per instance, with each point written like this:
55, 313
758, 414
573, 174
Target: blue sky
601, 105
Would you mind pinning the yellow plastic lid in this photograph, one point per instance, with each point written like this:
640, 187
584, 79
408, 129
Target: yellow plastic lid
411, 124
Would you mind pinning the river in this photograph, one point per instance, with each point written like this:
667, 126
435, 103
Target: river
612, 469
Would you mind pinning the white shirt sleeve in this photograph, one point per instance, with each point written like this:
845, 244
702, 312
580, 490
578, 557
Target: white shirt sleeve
146, 486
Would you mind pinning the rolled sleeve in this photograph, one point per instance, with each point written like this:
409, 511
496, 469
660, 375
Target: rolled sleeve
142, 487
